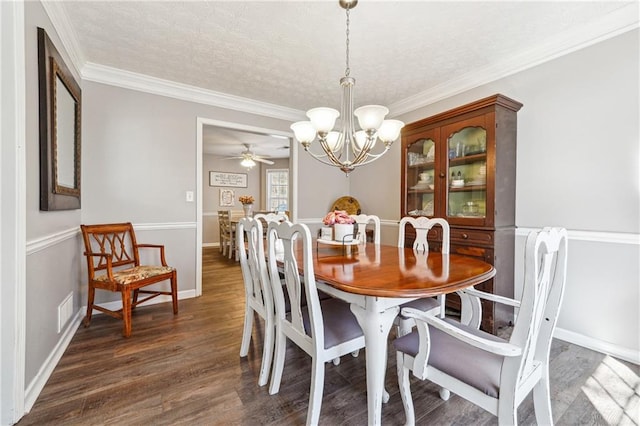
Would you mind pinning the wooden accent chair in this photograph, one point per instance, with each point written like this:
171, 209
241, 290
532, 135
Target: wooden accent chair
325, 329
422, 225
227, 234
113, 264
493, 373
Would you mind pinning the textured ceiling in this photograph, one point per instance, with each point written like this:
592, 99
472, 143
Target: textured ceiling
292, 53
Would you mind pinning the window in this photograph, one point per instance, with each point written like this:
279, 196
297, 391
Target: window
278, 189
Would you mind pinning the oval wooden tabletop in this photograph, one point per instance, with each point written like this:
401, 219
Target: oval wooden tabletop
388, 271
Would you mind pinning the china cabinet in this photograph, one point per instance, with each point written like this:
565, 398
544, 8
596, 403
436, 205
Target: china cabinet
461, 165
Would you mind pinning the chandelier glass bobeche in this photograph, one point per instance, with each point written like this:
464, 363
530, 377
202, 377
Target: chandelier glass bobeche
347, 148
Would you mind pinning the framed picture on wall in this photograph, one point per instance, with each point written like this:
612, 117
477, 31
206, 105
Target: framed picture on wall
236, 180
227, 198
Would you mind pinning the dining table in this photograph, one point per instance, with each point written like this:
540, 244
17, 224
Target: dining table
375, 280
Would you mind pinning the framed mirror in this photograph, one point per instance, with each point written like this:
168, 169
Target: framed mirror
60, 119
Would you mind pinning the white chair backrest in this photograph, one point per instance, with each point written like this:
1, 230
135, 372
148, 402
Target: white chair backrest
545, 271
292, 235
422, 225
253, 264
271, 217
362, 220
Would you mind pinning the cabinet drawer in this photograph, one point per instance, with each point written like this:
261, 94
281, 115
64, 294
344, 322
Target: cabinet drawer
485, 254
472, 236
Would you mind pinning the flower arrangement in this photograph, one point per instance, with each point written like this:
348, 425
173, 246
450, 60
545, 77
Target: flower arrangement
246, 199
338, 216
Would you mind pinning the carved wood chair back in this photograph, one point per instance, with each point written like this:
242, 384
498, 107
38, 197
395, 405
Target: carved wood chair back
113, 264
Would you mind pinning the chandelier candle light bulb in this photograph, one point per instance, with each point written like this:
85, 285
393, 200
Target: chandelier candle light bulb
348, 148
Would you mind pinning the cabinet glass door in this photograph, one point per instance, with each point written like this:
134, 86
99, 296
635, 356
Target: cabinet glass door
467, 171
420, 177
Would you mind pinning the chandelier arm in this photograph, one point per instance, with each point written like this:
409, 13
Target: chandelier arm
362, 154
321, 159
372, 158
329, 153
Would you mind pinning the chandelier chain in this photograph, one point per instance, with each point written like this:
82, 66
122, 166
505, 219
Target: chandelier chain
347, 71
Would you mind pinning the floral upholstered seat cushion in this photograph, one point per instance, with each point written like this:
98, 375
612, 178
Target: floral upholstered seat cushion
137, 273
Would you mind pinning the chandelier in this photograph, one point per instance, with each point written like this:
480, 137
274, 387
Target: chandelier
347, 148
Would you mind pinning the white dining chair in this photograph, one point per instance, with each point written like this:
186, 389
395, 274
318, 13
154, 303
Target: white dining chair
258, 292
422, 225
271, 217
490, 372
363, 220
325, 329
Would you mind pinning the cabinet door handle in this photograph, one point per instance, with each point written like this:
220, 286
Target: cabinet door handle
465, 236
441, 174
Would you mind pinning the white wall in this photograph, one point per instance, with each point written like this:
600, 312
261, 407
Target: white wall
578, 167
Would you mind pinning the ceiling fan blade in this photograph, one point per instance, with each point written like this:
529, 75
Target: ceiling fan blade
262, 160
233, 158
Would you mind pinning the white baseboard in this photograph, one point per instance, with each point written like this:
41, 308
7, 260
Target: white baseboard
46, 369
205, 245
597, 345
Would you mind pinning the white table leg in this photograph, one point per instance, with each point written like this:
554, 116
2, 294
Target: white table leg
376, 326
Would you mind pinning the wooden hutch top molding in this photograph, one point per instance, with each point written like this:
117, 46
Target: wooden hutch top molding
497, 99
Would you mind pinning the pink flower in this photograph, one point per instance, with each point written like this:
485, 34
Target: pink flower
338, 216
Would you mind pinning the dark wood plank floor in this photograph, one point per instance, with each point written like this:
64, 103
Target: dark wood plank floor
185, 369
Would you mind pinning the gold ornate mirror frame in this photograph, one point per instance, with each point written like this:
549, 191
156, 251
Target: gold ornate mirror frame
60, 123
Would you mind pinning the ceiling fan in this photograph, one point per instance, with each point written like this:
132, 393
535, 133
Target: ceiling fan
248, 158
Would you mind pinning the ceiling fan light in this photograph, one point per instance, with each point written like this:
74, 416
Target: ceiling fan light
247, 162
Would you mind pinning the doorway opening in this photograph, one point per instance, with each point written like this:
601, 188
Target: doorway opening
221, 147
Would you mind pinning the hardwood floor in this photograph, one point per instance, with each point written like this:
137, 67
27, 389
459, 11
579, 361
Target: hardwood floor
186, 369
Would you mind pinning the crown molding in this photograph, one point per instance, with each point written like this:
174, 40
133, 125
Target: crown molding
158, 86
60, 21
615, 23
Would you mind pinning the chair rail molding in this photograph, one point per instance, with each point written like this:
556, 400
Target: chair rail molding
42, 243
593, 236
